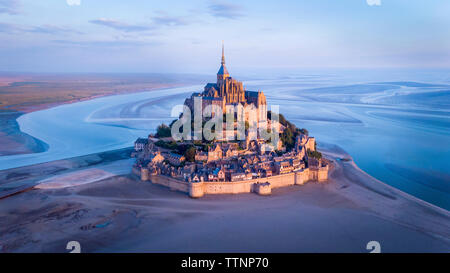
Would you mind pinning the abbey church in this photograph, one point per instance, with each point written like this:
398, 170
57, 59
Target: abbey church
230, 92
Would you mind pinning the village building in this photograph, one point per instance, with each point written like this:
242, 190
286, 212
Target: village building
201, 156
140, 144
156, 158
237, 177
175, 159
283, 167
215, 153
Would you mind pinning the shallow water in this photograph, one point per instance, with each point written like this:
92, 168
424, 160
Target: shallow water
395, 128
395, 124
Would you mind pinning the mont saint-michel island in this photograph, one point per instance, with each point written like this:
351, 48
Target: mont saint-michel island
238, 146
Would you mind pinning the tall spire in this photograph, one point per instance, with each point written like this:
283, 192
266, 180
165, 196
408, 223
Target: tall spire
223, 54
223, 72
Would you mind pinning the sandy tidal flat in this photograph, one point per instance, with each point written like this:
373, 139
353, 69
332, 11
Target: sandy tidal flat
123, 214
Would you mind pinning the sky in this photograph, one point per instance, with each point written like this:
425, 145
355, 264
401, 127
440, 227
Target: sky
186, 36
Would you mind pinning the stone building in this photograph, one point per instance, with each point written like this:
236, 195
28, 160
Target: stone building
140, 144
214, 153
201, 156
156, 158
284, 167
305, 141
230, 92
175, 159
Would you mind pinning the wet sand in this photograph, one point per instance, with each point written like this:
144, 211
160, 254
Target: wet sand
12, 140
75, 171
122, 214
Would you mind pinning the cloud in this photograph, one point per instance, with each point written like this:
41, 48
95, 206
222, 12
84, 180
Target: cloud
9, 28
73, 2
106, 43
45, 29
373, 2
157, 22
226, 10
51, 29
121, 25
9, 6
170, 20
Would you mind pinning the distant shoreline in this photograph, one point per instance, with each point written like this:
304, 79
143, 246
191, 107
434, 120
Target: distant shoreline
14, 142
38, 107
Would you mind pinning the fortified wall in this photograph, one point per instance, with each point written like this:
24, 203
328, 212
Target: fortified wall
262, 186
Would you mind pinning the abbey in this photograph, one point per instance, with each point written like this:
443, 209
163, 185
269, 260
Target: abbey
230, 92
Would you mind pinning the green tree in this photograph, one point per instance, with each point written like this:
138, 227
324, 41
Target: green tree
315, 154
190, 154
163, 131
304, 131
287, 138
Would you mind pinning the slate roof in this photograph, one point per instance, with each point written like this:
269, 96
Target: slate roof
251, 94
223, 70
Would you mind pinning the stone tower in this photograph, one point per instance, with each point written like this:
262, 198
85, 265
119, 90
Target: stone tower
261, 105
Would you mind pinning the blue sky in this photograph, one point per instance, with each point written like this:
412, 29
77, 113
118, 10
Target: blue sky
185, 36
